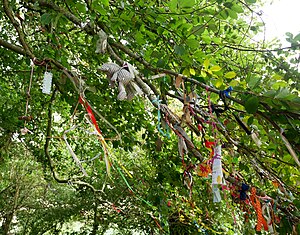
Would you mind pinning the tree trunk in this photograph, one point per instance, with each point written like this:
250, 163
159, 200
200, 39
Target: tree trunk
96, 220
9, 216
6, 224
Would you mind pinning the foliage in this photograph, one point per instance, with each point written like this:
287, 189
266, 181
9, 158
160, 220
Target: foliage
197, 49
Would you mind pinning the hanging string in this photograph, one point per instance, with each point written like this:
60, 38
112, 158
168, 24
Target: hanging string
28, 91
209, 101
212, 122
167, 133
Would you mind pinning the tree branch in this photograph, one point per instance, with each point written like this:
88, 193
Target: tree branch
170, 72
66, 13
12, 47
258, 50
15, 23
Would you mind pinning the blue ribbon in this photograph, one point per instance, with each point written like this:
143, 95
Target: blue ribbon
225, 93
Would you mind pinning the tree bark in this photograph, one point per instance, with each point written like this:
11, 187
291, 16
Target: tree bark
96, 220
9, 216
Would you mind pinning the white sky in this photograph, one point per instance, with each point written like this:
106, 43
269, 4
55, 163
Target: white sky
280, 17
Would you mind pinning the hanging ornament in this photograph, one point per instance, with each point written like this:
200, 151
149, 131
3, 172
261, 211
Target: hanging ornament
101, 42
216, 193
255, 139
217, 174
188, 181
47, 83
267, 215
203, 170
124, 77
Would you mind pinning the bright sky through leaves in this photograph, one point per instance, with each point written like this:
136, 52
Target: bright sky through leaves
280, 17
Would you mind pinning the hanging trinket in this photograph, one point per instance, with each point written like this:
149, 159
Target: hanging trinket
217, 174
47, 83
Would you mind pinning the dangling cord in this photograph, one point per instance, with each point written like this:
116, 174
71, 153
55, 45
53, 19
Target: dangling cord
26, 118
212, 122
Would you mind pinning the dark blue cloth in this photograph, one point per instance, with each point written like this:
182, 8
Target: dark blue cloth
243, 191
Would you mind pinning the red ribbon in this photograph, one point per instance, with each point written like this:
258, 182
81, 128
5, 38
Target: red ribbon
90, 113
210, 145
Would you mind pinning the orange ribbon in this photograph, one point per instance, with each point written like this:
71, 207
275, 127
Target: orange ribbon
257, 206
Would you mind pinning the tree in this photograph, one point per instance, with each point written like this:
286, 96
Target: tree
205, 84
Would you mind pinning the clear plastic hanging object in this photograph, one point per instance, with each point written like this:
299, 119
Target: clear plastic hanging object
47, 83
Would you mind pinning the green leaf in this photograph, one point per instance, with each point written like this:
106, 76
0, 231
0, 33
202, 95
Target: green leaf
203, 73
215, 68
250, 120
186, 72
199, 55
105, 3
197, 30
297, 38
46, 18
97, 7
234, 83
224, 14
230, 74
161, 63
270, 93
276, 77
81, 7
186, 3
290, 35
250, 1
192, 71
253, 82
232, 14
139, 38
251, 104
228, 4
279, 84
217, 40
173, 5
237, 8
213, 27
179, 50
206, 63
219, 83
284, 93
192, 43
206, 39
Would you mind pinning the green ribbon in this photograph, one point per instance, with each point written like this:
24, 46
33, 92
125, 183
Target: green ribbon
167, 133
128, 185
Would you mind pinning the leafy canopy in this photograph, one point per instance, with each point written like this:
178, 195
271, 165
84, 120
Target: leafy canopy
149, 170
